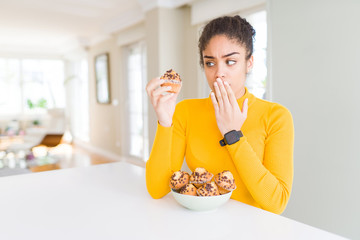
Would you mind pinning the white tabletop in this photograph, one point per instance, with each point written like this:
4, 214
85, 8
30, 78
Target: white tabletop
110, 201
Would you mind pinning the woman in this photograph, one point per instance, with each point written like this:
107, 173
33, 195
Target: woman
231, 130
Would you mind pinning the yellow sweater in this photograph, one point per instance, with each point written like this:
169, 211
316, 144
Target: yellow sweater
261, 162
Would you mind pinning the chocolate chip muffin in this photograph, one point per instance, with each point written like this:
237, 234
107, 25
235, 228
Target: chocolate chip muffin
200, 176
225, 181
189, 189
179, 179
172, 79
208, 189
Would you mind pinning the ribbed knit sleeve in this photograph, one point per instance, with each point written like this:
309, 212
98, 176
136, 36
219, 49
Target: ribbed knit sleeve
167, 154
269, 180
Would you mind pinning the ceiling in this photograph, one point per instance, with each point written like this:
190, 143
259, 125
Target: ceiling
56, 26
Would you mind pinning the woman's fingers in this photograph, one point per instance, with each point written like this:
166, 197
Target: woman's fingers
153, 84
166, 97
218, 95
224, 93
214, 102
155, 92
231, 95
163, 103
160, 91
245, 107
228, 114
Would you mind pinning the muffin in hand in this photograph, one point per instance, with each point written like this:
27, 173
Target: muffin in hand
171, 79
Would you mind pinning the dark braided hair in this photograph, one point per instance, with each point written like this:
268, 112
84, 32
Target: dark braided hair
235, 28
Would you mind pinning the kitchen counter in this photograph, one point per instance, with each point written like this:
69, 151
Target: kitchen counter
110, 201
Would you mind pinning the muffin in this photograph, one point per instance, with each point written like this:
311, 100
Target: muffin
225, 181
172, 79
200, 176
188, 189
208, 189
179, 179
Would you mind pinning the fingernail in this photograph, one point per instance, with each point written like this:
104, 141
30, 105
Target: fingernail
215, 84
225, 82
168, 87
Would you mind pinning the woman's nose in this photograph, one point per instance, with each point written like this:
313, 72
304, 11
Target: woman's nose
220, 72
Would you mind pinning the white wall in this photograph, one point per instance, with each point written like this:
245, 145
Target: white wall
170, 39
315, 50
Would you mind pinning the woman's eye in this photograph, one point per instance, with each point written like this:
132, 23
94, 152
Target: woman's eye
230, 62
209, 64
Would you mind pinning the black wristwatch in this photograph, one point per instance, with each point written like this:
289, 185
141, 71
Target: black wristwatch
231, 137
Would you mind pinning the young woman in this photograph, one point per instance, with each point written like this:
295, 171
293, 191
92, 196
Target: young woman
231, 130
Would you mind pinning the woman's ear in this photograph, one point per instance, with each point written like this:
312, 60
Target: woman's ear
249, 64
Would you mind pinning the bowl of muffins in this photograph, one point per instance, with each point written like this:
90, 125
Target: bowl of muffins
201, 190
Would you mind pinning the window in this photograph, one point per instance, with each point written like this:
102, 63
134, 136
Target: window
78, 88
31, 82
256, 80
11, 99
137, 111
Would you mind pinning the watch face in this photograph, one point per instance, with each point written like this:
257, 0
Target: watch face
232, 137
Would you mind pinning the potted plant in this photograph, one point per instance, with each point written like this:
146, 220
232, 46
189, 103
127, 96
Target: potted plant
41, 103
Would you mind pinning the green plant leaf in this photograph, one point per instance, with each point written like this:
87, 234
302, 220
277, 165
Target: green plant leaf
30, 104
42, 103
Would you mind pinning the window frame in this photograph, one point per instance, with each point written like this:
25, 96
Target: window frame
246, 14
126, 134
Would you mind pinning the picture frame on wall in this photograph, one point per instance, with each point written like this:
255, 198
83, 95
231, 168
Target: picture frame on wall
102, 77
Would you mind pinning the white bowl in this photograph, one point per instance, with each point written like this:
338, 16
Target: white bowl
199, 203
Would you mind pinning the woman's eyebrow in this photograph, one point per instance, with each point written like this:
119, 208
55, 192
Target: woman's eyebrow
230, 54
209, 57
227, 55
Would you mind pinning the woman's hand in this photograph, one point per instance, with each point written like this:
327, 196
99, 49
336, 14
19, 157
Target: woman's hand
164, 104
227, 112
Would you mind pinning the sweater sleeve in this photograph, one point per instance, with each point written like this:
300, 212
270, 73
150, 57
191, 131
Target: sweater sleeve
268, 180
167, 154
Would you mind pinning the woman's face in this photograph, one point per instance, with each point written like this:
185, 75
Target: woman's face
224, 58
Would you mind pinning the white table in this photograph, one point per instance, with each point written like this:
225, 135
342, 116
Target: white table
110, 201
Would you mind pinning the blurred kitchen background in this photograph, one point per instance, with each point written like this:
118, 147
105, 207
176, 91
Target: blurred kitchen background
73, 76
